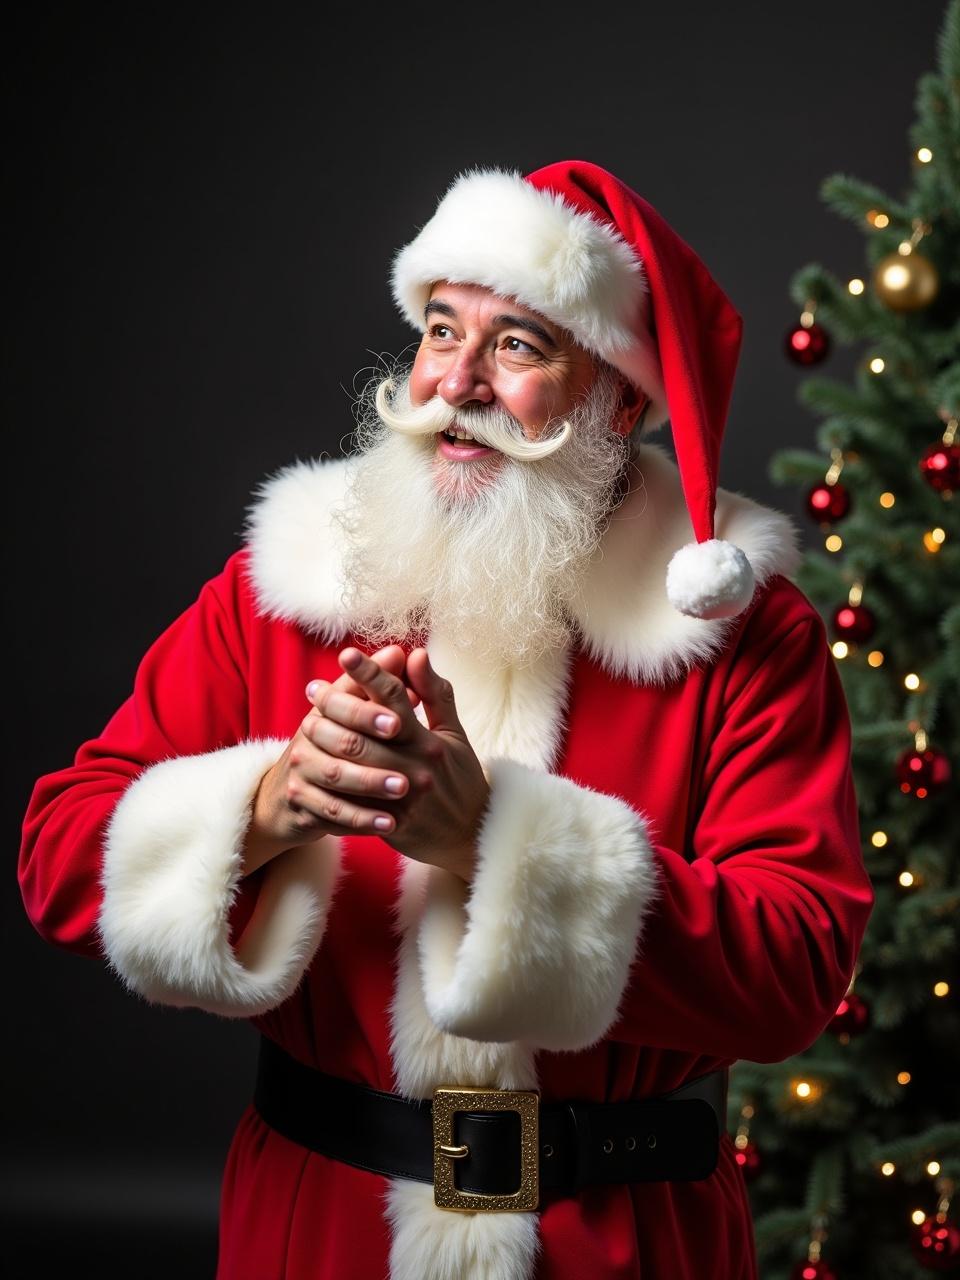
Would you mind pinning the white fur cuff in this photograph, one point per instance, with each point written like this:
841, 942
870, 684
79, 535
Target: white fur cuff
171, 870
539, 947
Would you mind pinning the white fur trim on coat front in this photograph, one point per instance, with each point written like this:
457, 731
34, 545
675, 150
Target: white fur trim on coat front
462, 1246
171, 871
539, 948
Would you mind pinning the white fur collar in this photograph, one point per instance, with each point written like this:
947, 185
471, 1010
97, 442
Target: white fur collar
628, 625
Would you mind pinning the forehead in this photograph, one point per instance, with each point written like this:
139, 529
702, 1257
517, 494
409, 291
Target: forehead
481, 303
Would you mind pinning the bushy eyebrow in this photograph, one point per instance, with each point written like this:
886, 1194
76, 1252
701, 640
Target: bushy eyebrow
435, 307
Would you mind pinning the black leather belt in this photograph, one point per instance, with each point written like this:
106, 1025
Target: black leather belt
492, 1148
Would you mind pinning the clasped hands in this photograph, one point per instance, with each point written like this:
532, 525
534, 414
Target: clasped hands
363, 763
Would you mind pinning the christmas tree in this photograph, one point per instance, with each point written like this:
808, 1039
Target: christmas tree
851, 1150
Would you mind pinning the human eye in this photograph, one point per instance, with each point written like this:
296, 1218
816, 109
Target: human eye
522, 347
435, 332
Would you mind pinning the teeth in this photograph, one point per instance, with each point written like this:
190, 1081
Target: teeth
460, 434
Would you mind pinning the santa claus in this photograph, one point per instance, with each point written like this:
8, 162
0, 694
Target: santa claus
502, 778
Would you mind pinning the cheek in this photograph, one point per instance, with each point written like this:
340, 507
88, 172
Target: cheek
424, 376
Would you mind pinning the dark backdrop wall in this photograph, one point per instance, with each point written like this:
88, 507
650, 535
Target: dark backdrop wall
204, 206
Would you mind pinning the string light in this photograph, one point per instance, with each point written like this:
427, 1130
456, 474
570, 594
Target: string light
904, 1077
888, 1169
878, 839
834, 542
934, 539
877, 364
855, 286
911, 680
941, 988
906, 878
887, 499
839, 648
806, 1090
918, 1216
875, 658
878, 219
933, 1168
924, 155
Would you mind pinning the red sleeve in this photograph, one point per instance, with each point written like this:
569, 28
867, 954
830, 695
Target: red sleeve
189, 696
751, 944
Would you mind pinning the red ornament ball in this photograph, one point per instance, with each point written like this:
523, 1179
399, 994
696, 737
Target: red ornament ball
852, 1016
826, 502
805, 345
853, 622
920, 773
749, 1159
936, 1244
813, 1271
940, 467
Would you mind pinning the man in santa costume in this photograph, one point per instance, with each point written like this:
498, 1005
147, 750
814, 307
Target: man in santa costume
504, 756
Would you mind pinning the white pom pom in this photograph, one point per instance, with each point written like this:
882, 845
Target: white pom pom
711, 579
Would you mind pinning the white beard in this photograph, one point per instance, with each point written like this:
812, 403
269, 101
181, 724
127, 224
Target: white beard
492, 550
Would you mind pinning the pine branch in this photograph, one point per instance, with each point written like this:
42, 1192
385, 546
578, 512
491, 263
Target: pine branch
853, 199
779, 1228
825, 1184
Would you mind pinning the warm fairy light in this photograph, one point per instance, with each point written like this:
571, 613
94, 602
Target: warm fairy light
911, 680
933, 1168
877, 365
887, 499
807, 1090
746, 1111
881, 221
941, 988
855, 286
903, 1077
840, 648
888, 1168
931, 542
878, 839
924, 155
807, 319
741, 1141
834, 542
906, 878
918, 1216
904, 248
938, 535
875, 658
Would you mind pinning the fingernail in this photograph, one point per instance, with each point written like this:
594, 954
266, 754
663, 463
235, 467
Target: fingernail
393, 784
383, 824
384, 723
312, 687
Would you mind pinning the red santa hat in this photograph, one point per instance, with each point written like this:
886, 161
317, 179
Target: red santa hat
577, 245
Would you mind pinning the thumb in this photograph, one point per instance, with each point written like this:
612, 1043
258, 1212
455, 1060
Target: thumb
434, 691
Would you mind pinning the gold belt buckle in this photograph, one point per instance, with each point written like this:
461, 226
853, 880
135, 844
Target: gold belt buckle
446, 1103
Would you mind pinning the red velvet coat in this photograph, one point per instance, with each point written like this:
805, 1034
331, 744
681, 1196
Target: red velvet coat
669, 879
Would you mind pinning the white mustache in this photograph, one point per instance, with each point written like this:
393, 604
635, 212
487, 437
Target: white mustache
436, 416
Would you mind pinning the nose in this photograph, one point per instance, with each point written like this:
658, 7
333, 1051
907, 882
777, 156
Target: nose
466, 378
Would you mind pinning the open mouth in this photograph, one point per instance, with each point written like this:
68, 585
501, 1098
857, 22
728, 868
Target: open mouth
461, 438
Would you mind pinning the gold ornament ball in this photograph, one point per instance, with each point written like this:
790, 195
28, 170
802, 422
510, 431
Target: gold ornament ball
906, 282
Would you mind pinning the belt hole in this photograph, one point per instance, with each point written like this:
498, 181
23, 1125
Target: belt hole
631, 1144
651, 1139
608, 1145
547, 1150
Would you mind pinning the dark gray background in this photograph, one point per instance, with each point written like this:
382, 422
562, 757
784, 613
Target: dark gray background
205, 204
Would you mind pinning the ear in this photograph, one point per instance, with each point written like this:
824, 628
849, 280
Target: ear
631, 402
